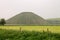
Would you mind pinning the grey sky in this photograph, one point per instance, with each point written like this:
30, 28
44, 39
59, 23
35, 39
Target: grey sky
44, 8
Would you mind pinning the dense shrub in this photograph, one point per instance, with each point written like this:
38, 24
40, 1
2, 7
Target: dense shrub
2, 21
27, 35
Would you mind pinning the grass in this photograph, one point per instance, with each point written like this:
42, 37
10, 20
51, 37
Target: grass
53, 29
29, 32
27, 35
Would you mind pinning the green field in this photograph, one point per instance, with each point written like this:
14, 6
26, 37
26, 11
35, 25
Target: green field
54, 29
27, 35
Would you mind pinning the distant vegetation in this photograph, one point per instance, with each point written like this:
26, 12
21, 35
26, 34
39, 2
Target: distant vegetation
54, 21
2, 21
27, 35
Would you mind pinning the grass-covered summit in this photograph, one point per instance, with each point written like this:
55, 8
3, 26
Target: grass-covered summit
26, 18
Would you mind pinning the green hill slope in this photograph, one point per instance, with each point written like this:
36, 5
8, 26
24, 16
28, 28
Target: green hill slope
54, 21
26, 18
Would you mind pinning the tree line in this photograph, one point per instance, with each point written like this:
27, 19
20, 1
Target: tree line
2, 21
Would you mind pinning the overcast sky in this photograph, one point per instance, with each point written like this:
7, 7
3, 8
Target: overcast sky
43, 8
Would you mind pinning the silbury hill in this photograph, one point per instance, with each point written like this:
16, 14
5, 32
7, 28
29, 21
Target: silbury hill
26, 18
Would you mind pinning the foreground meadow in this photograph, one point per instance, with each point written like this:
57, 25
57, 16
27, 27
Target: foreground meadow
27, 35
53, 29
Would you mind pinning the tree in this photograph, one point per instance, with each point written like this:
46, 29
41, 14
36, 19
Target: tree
2, 22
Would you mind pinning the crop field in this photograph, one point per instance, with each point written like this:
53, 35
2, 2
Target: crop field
53, 29
29, 32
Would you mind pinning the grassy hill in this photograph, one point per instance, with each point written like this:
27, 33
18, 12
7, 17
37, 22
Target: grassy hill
26, 18
54, 21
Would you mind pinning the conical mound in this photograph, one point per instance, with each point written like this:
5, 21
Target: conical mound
26, 18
